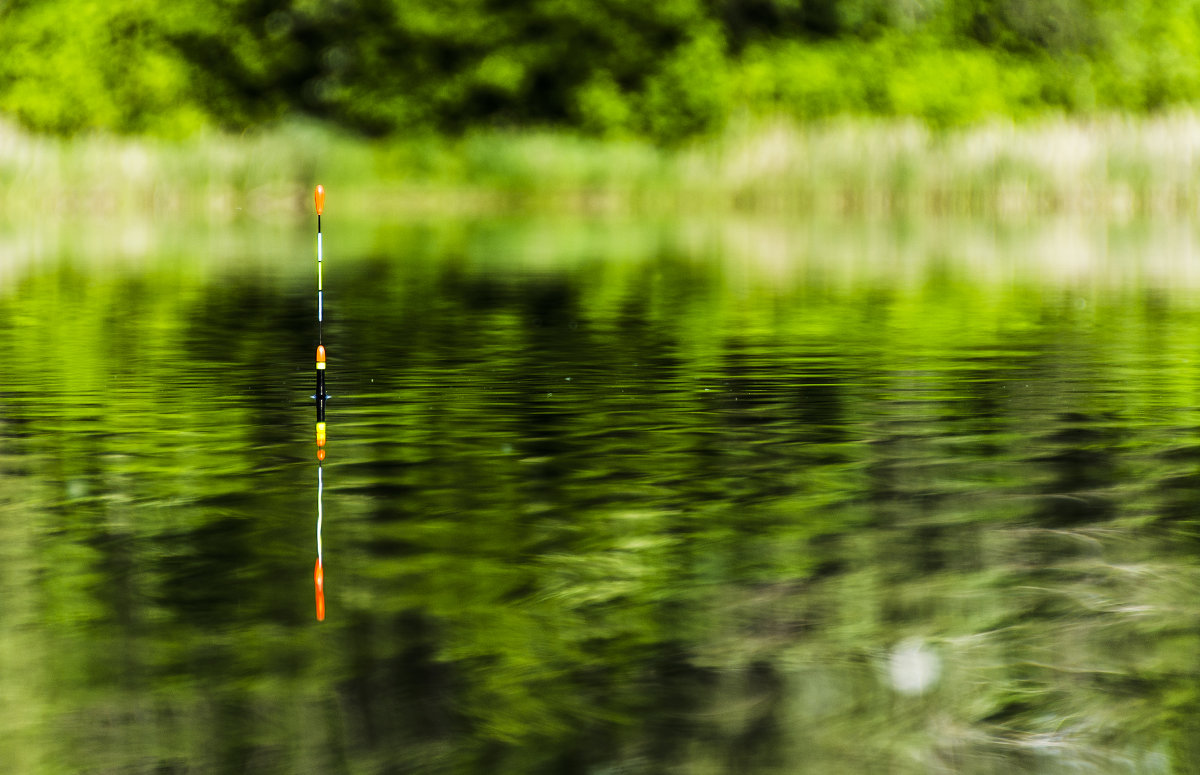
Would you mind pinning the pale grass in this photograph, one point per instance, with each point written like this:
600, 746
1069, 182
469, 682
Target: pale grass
1112, 166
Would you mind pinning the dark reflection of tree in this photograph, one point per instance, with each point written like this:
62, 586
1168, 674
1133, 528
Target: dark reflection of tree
403, 699
572, 535
555, 350
1082, 458
1178, 491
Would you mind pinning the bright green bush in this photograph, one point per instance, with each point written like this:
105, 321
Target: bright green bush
80, 65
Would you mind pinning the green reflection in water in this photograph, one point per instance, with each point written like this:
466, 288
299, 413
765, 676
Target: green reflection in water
607, 498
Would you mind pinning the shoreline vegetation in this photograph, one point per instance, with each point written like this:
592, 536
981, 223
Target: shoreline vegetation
1005, 108
1115, 166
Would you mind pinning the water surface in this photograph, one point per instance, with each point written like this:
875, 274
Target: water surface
604, 498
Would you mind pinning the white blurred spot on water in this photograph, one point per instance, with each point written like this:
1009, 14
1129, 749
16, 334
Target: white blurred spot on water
76, 488
914, 667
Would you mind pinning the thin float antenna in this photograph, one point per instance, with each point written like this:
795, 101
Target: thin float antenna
319, 571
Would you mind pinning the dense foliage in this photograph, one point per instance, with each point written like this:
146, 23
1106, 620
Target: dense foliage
627, 67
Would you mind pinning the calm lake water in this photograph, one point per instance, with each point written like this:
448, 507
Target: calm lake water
603, 498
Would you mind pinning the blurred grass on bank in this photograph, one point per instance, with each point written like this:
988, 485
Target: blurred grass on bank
1116, 166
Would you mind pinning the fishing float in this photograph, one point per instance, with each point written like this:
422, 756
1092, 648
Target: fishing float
320, 396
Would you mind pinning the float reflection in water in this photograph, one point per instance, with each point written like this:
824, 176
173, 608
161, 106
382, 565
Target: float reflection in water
320, 396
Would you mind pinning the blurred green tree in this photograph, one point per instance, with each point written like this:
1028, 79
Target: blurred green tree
666, 70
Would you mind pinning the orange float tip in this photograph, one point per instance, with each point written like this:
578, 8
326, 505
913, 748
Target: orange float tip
321, 455
319, 583
320, 353
319, 199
